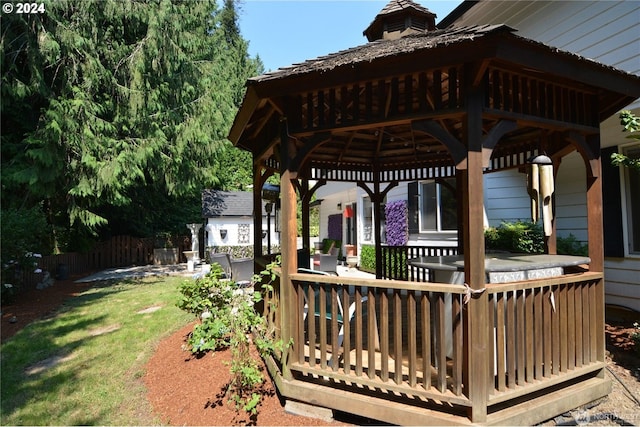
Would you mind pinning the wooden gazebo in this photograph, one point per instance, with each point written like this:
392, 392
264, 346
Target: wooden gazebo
417, 103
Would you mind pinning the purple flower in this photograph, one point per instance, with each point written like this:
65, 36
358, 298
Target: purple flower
397, 223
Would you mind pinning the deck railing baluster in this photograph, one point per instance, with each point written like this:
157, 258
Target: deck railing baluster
346, 355
372, 329
412, 326
384, 335
397, 335
511, 339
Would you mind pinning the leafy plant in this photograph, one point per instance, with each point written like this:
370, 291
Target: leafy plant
368, 258
24, 235
519, 236
164, 240
630, 123
635, 337
227, 317
571, 246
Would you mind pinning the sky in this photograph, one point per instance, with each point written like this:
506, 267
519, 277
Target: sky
285, 32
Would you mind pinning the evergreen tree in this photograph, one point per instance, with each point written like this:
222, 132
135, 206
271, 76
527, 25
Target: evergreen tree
109, 107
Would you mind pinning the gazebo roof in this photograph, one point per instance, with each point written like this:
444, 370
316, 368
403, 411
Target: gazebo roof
399, 104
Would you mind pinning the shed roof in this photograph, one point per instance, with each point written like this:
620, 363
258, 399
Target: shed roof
217, 203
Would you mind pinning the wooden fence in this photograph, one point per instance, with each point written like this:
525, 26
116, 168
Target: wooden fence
119, 251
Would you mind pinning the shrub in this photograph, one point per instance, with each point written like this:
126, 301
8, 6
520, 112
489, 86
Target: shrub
368, 258
519, 236
24, 236
571, 246
226, 318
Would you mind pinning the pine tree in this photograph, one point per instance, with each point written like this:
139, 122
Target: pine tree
106, 103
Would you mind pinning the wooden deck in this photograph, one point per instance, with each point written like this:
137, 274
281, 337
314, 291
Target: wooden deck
407, 346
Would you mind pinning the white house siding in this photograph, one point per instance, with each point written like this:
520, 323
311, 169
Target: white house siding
571, 198
607, 32
232, 225
506, 198
621, 279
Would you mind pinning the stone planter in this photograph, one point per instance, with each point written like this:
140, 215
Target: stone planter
165, 256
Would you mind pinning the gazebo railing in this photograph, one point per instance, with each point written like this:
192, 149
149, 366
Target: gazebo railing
394, 261
544, 331
400, 337
407, 341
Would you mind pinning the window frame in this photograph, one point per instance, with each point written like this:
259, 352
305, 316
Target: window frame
421, 214
626, 208
364, 200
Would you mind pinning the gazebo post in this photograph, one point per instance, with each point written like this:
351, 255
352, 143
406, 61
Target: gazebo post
377, 214
305, 197
258, 181
288, 244
474, 252
596, 239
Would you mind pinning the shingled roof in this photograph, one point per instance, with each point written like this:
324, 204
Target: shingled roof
409, 44
216, 203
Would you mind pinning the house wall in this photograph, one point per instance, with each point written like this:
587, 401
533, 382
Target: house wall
333, 194
506, 198
607, 32
232, 225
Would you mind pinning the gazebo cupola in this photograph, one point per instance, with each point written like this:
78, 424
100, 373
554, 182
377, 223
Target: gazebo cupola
399, 18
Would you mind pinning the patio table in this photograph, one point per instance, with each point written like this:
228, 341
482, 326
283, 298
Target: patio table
500, 267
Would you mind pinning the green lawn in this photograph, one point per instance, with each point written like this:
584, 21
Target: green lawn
95, 347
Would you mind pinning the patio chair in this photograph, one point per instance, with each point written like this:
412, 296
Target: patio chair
242, 271
325, 262
224, 260
340, 316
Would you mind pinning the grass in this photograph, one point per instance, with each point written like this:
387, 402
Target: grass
82, 366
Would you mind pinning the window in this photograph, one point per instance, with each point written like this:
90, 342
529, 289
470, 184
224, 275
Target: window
438, 210
631, 183
367, 220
